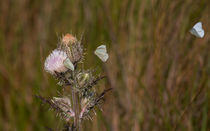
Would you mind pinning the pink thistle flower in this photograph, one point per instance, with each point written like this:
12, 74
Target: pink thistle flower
54, 62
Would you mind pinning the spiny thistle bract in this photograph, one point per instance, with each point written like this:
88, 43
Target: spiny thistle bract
62, 63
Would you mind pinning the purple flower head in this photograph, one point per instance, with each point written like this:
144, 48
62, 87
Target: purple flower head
54, 62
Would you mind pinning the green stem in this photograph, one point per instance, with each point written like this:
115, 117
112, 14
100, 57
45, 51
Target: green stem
76, 109
75, 97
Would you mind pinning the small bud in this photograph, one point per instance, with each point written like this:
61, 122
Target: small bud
86, 77
60, 83
83, 78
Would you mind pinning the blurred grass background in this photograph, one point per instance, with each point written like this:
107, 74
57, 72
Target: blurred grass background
157, 68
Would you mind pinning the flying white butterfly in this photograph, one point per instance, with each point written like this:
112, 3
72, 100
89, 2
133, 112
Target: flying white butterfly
197, 30
102, 53
68, 64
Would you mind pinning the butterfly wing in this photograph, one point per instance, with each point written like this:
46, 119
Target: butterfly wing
198, 25
197, 30
68, 64
194, 32
102, 53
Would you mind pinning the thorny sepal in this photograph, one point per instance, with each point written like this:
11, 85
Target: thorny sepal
88, 104
88, 90
84, 78
61, 105
65, 105
79, 80
64, 79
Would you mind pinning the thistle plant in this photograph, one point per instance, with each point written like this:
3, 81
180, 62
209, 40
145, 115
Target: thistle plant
78, 99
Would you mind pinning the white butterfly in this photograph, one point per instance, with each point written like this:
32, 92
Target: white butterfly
102, 53
68, 64
197, 30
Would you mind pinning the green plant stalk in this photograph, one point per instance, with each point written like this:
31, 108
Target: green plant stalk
75, 97
76, 110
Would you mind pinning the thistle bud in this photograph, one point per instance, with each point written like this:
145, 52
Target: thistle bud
64, 104
72, 47
83, 78
68, 39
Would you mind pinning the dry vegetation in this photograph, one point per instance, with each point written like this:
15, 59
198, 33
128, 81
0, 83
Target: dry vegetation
159, 71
